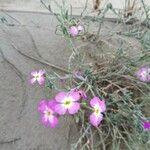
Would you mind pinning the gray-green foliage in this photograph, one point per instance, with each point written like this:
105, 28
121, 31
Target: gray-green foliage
114, 80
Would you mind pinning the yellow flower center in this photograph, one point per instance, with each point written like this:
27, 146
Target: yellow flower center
37, 76
68, 102
97, 110
48, 113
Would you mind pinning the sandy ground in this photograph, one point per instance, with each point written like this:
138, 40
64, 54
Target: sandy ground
32, 34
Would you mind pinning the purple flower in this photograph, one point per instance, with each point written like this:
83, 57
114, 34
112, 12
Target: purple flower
146, 125
48, 116
98, 107
67, 102
144, 74
73, 30
38, 76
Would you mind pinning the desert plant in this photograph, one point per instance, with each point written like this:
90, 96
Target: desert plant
106, 85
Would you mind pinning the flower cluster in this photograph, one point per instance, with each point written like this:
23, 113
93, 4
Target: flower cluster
144, 74
67, 103
75, 30
70, 102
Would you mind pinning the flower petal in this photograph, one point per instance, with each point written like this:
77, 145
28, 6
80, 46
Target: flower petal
142, 74
51, 104
146, 125
74, 108
41, 80
73, 31
95, 120
34, 73
102, 105
60, 96
80, 28
60, 109
94, 101
53, 121
44, 120
42, 106
32, 81
75, 96
41, 72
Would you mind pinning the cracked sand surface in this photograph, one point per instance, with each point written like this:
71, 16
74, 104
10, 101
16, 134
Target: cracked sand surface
20, 129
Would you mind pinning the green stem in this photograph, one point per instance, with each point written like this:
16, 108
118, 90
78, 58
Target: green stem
85, 106
101, 21
146, 13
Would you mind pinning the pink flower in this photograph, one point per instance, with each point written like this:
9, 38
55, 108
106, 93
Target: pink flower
144, 74
38, 76
80, 28
81, 93
67, 102
48, 116
146, 125
73, 30
98, 107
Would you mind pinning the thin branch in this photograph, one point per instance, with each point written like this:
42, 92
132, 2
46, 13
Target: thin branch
34, 44
146, 12
85, 7
41, 61
19, 73
10, 141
